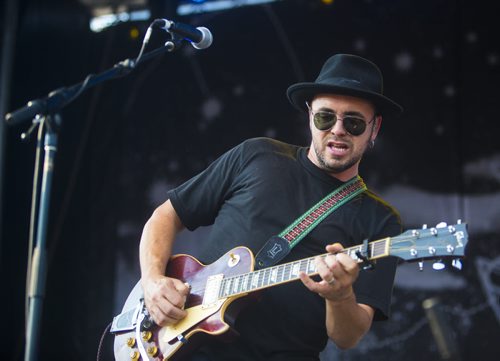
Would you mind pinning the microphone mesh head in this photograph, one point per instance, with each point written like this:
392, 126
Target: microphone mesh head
206, 39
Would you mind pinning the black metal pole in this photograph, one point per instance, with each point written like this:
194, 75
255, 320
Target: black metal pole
39, 265
44, 114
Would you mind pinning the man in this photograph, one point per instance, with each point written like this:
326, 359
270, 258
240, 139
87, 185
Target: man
259, 188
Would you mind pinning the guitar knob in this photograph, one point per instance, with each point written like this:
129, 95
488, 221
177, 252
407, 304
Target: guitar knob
134, 355
130, 342
146, 335
152, 351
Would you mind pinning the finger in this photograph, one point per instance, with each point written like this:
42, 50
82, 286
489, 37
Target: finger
182, 287
325, 272
331, 261
164, 301
334, 248
162, 318
175, 292
167, 309
322, 268
348, 264
308, 282
322, 288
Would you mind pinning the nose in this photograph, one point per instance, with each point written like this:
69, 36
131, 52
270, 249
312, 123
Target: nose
338, 127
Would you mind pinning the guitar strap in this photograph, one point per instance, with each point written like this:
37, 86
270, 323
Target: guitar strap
277, 247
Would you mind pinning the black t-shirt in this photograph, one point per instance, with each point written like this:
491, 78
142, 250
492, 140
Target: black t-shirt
254, 191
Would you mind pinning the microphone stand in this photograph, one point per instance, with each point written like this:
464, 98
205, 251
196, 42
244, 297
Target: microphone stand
44, 113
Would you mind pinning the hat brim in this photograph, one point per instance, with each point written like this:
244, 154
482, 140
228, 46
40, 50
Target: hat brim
298, 94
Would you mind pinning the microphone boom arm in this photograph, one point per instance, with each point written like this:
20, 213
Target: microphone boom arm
59, 98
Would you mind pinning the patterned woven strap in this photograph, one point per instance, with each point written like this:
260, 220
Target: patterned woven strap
310, 219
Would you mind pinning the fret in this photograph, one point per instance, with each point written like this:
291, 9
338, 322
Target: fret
311, 266
249, 282
241, 288
290, 271
261, 279
286, 272
268, 277
295, 269
244, 283
255, 279
303, 266
381, 247
265, 273
236, 283
279, 275
376, 249
230, 285
274, 274
227, 285
223, 288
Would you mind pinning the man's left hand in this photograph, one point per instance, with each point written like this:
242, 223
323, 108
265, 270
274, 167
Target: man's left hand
337, 270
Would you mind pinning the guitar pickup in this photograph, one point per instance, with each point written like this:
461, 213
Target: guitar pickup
212, 289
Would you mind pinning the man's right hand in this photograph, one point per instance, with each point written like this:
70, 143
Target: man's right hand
165, 298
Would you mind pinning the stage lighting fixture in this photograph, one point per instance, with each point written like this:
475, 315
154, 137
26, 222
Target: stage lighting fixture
105, 19
187, 7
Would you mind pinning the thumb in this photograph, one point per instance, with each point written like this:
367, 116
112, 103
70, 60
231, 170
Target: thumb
182, 287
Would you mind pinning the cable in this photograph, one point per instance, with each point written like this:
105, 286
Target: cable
34, 208
99, 349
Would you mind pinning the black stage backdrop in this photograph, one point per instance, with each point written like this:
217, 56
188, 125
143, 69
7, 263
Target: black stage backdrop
123, 144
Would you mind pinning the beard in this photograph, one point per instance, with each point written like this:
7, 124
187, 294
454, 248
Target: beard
334, 166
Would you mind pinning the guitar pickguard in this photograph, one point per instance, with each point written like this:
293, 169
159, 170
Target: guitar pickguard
194, 316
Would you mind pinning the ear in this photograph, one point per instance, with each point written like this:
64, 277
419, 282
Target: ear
311, 121
376, 127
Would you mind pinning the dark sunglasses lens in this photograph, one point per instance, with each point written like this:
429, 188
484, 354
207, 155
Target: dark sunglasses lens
355, 126
324, 120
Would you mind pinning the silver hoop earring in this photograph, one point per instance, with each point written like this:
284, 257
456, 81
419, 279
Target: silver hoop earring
372, 143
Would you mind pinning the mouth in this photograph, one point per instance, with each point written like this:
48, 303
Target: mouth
337, 148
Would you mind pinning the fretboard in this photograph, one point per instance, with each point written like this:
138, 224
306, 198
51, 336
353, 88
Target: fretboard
287, 272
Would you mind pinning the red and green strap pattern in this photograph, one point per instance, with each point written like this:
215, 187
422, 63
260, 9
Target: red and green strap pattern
296, 231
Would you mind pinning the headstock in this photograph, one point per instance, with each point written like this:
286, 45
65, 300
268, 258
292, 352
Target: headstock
438, 242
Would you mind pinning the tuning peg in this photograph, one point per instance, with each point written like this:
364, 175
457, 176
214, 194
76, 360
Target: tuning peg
457, 263
438, 265
424, 226
420, 265
441, 225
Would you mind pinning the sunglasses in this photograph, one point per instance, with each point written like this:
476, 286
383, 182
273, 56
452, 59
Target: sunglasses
325, 120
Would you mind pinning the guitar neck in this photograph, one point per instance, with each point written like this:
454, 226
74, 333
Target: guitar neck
287, 272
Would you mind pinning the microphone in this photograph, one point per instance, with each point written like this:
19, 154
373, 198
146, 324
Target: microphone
200, 37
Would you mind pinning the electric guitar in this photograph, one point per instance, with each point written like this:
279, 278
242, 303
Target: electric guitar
215, 286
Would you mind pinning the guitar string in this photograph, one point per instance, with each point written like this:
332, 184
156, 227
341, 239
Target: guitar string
264, 276
267, 281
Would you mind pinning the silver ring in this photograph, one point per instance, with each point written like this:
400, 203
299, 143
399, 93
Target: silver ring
332, 281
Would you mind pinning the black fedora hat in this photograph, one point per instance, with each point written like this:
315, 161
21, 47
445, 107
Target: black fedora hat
346, 74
